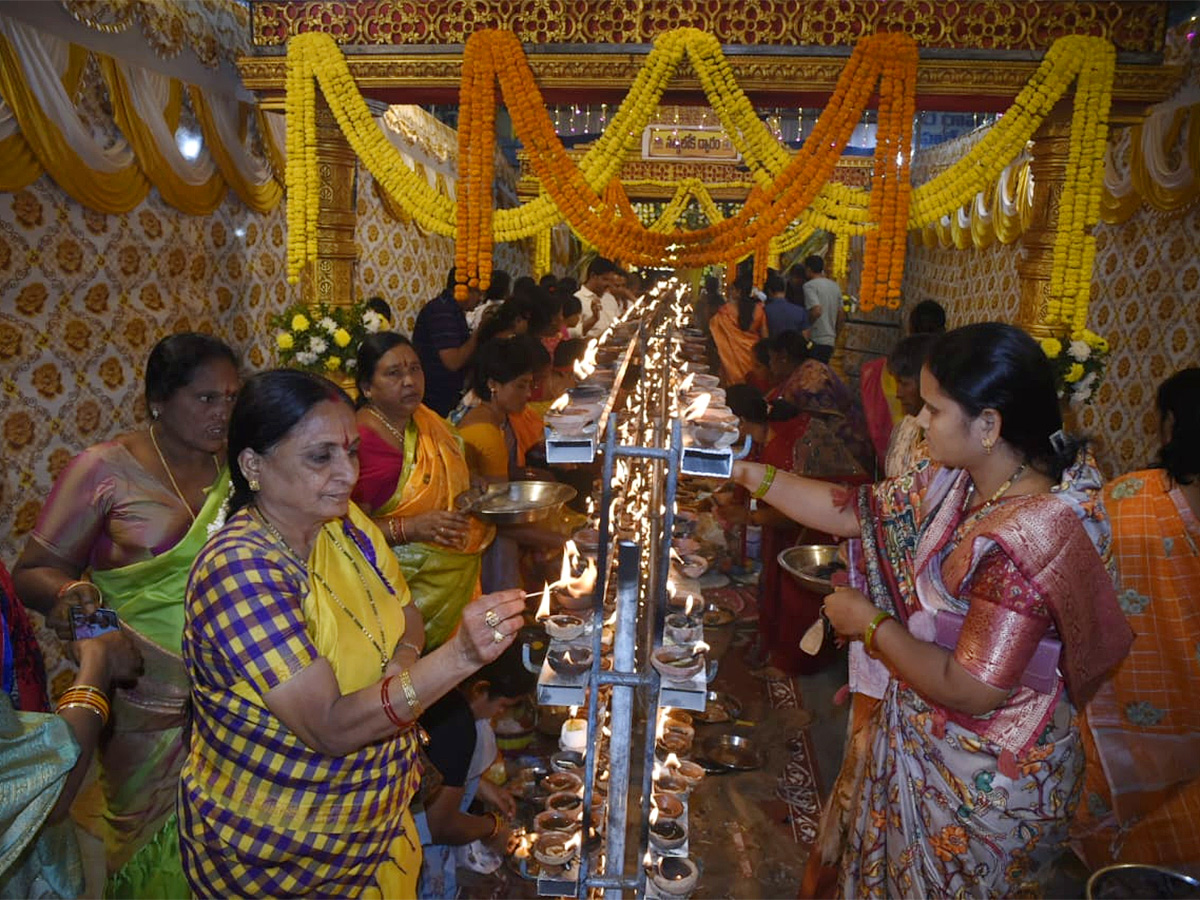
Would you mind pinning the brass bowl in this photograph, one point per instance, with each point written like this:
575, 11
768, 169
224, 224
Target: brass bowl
805, 562
516, 502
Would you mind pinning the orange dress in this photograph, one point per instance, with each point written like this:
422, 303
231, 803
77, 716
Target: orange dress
1141, 797
735, 346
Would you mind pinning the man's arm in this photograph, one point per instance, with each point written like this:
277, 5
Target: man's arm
812, 302
454, 358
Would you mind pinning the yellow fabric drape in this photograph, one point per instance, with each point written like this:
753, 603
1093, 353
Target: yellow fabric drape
274, 152
1150, 190
19, 167
193, 199
109, 192
259, 197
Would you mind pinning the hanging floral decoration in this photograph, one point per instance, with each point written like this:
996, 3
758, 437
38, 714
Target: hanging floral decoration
796, 195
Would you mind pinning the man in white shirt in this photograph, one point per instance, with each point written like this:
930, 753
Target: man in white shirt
823, 300
600, 307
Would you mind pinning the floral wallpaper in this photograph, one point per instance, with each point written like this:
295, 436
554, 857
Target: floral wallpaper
1145, 294
84, 296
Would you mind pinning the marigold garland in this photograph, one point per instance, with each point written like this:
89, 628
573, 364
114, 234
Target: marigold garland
795, 197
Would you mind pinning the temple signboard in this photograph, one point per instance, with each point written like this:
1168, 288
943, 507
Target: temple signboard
669, 142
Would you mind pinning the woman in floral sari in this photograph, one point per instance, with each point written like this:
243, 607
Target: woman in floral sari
736, 326
988, 619
134, 512
411, 469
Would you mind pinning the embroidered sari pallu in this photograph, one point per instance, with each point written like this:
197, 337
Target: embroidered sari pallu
935, 802
132, 806
434, 472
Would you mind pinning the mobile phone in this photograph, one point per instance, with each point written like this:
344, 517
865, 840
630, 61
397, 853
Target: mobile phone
90, 625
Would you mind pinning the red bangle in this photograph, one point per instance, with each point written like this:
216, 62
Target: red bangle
386, 700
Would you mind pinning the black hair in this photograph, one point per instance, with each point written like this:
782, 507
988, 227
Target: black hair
451, 279
568, 286
601, 266
267, 409
927, 317
746, 303
506, 675
775, 284
991, 365
370, 351
502, 360
1179, 397
545, 307
498, 286
524, 288
712, 292
568, 351
910, 354
537, 352
504, 318
548, 283
792, 344
762, 351
747, 402
571, 305
814, 263
174, 360
381, 306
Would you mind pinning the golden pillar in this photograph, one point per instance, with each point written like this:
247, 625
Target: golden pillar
330, 278
1048, 168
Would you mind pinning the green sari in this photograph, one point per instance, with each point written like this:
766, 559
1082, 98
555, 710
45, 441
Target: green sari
133, 805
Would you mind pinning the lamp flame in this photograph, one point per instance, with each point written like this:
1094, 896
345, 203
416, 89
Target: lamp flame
687, 606
687, 382
697, 407
560, 403
700, 647
672, 761
543, 610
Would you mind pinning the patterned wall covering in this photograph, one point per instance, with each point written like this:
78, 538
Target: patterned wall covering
982, 24
1145, 300
84, 296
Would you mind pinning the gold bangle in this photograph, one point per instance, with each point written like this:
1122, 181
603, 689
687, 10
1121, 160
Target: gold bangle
85, 692
67, 585
83, 702
413, 647
869, 635
496, 823
768, 479
410, 695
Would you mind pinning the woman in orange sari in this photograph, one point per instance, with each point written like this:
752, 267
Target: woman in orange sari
736, 326
411, 468
1141, 795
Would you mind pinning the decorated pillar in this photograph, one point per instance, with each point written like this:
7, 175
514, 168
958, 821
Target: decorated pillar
330, 279
1048, 168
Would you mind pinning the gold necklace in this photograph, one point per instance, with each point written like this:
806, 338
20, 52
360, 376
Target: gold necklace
171, 475
1000, 492
387, 423
379, 647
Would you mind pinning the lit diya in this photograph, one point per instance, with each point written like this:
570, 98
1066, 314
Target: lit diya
674, 875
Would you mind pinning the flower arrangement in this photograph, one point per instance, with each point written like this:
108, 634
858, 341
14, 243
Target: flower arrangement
323, 338
1078, 362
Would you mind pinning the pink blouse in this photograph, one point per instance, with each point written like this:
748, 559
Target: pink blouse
106, 511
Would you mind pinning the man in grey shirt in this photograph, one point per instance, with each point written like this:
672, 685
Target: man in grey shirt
823, 299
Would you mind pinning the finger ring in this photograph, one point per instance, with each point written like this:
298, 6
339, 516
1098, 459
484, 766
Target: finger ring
491, 618
497, 637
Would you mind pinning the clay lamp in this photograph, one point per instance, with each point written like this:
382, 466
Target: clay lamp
680, 663
564, 626
560, 782
568, 803
570, 661
549, 820
669, 806
674, 875
666, 834
567, 761
556, 848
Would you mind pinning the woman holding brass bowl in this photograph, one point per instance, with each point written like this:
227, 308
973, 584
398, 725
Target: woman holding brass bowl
989, 619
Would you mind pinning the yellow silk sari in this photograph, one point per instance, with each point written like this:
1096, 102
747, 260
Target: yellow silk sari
442, 580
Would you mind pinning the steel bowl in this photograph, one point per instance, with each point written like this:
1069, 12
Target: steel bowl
806, 564
1138, 880
732, 751
517, 502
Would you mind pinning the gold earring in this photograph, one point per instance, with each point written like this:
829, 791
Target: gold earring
154, 413
255, 486
987, 447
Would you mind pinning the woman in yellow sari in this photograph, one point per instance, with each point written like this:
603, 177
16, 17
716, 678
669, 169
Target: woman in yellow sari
121, 528
411, 467
305, 659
